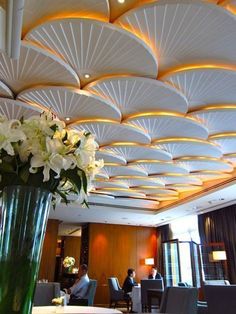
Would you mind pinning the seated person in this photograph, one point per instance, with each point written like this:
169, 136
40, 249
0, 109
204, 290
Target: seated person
79, 289
154, 274
129, 282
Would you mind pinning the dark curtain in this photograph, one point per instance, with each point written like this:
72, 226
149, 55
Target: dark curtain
220, 226
163, 234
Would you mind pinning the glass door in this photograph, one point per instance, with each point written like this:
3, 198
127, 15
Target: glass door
171, 257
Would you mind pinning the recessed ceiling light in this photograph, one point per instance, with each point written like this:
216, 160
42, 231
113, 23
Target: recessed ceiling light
67, 118
121, 1
87, 76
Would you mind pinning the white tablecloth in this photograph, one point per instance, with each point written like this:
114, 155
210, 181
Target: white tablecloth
73, 310
136, 299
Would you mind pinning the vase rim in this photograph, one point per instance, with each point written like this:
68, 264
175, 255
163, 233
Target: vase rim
26, 186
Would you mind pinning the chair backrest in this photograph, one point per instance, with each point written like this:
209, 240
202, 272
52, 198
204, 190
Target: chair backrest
150, 284
221, 299
45, 292
179, 300
113, 284
91, 291
220, 282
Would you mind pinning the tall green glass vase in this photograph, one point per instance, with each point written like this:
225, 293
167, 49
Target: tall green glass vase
23, 224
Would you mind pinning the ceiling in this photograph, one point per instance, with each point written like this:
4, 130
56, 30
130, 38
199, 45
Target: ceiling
155, 82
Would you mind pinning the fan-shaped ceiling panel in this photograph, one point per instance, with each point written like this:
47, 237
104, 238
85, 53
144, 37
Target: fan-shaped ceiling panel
94, 195
174, 178
203, 163
132, 181
230, 5
95, 48
135, 94
102, 175
155, 167
184, 187
205, 85
133, 151
35, 67
5, 91
37, 11
181, 32
110, 157
153, 190
164, 124
118, 170
110, 184
71, 103
226, 141
231, 158
218, 119
161, 198
13, 109
210, 175
107, 131
122, 192
180, 147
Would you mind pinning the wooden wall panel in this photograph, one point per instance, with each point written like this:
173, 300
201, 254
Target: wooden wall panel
72, 248
48, 260
115, 248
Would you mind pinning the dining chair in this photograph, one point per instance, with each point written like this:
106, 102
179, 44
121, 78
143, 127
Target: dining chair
116, 293
179, 300
45, 292
147, 284
221, 299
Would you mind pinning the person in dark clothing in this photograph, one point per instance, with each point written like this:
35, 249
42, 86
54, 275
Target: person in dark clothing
154, 274
129, 281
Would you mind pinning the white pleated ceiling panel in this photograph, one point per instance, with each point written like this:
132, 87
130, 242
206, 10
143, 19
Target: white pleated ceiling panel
110, 157
210, 175
70, 103
226, 141
153, 190
161, 198
138, 94
119, 170
95, 48
181, 147
134, 151
156, 167
174, 178
35, 66
35, 11
109, 184
122, 192
218, 119
204, 85
231, 158
133, 181
184, 31
184, 187
203, 163
166, 124
108, 131
5, 91
14, 109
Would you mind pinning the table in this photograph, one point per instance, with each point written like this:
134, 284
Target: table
136, 299
153, 293
73, 310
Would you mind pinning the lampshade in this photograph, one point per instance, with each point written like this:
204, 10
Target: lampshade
219, 256
149, 261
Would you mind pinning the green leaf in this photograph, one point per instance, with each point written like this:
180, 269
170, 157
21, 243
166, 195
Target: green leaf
24, 173
84, 181
72, 176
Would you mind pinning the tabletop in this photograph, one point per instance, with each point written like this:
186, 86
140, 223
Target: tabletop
73, 310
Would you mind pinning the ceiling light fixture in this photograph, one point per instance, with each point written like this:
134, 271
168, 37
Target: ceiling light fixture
67, 118
87, 76
121, 1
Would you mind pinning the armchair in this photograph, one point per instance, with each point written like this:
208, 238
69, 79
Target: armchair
116, 293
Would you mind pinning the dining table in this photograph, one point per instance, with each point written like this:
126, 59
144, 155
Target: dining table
73, 310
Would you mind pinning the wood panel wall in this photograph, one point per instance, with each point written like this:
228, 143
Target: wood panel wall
48, 260
72, 248
115, 248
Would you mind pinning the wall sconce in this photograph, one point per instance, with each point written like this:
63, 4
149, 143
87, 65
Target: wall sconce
217, 256
149, 261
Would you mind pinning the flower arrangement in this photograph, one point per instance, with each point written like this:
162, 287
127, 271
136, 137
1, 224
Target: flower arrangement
42, 152
68, 261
